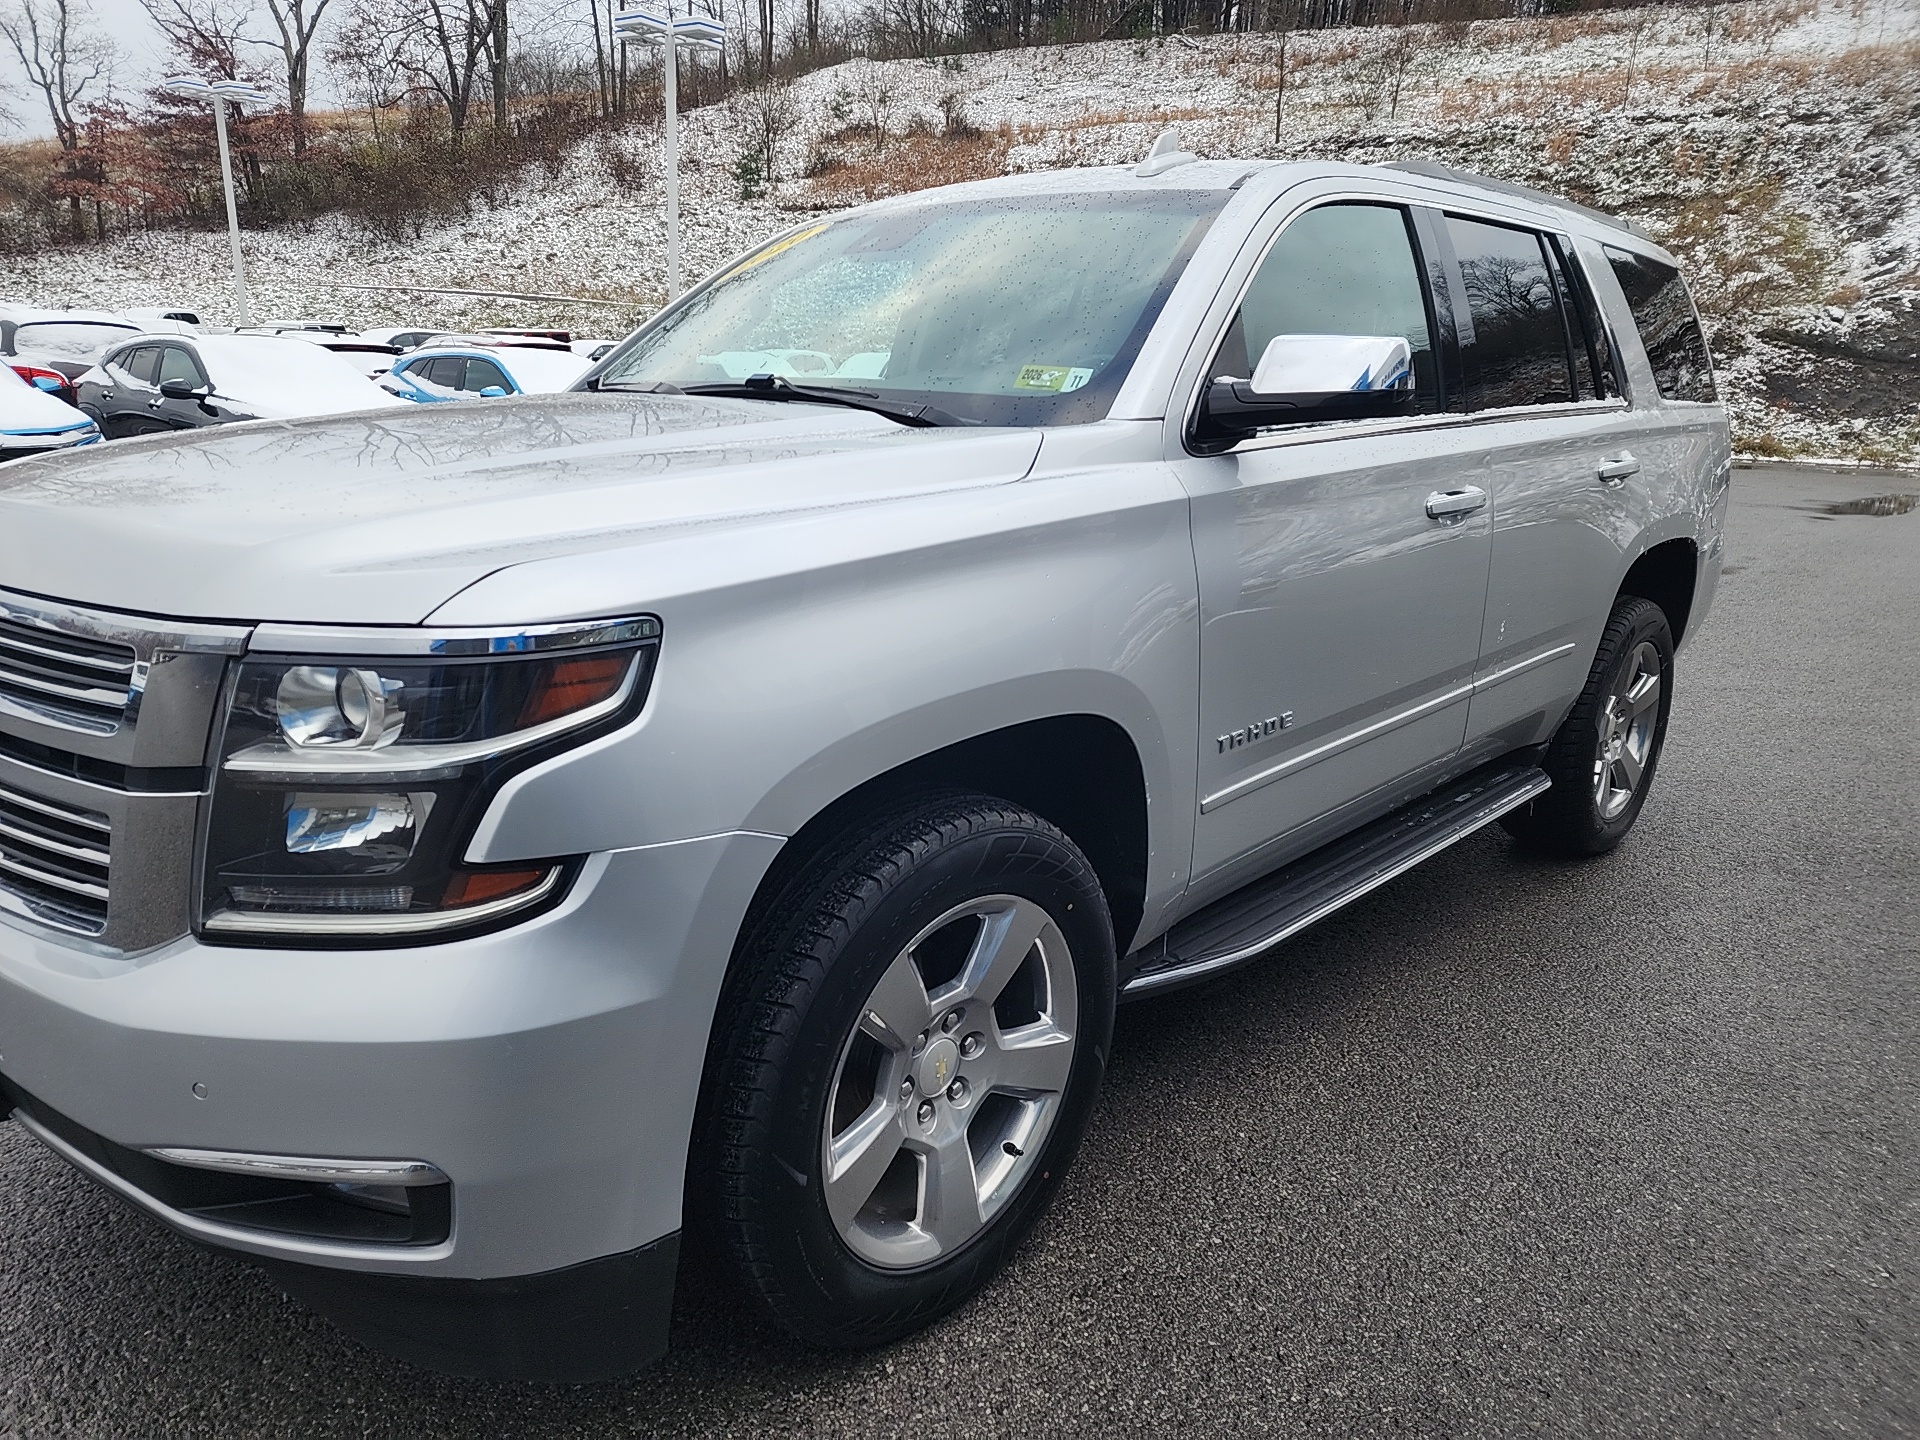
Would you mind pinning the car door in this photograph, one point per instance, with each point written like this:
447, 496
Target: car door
124, 401
1558, 456
443, 376
177, 362
483, 374
1342, 568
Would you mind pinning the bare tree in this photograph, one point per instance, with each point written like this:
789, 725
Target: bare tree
64, 57
434, 46
206, 35
600, 44
492, 19
771, 113
361, 55
1283, 16
298, 22
873, 97
766, 40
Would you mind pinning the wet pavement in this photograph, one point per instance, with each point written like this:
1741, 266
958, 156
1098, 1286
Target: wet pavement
1624, 1147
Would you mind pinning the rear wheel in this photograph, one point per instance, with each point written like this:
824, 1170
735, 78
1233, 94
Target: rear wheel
1603, 757
920, 1025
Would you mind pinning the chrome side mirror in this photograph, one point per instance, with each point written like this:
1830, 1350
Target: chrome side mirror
1334, 364
1306, 379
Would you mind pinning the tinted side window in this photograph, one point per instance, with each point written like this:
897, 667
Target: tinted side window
177, 363
141, 362
1592, 343
1518, 350
482, 373
1663, 311
446, 371
1337, 270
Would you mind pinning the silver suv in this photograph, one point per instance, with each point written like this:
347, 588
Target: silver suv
447, 853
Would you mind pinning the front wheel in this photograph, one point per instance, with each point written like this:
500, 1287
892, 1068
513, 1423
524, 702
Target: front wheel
920, 1026
1602, 759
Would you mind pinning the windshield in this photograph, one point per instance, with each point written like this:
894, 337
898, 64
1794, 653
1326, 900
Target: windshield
1017, 310
68, 339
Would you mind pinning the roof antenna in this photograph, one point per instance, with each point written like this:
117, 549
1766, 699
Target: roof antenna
1165, 154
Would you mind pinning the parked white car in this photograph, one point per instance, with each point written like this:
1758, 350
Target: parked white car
488, 372
33, 421
59, 342
400, 337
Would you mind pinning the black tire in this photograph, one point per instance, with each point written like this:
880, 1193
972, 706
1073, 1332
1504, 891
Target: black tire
803, 978
1570, 819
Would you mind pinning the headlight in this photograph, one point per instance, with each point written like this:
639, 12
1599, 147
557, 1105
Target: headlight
349, 784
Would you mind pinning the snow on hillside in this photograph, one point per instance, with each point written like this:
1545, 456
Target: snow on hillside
1774, 144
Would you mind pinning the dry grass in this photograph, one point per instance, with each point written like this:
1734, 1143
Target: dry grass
1766, 446
911, 162
1159, 115
1745, 23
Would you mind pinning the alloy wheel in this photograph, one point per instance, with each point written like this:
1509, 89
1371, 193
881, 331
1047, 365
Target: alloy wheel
950, 1081
1627, 727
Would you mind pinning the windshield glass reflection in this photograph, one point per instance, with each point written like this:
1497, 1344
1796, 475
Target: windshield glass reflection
1017, 310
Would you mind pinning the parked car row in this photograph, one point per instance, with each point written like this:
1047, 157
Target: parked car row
79, 376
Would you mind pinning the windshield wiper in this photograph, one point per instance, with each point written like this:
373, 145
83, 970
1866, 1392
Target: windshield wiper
778, 387
634, 387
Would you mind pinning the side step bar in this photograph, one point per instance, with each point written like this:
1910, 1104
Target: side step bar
1240, 926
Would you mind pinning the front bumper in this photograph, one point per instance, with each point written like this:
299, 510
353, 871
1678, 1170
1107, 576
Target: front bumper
18, 444
549, 1070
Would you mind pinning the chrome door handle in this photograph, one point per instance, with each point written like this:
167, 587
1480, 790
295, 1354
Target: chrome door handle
1615, 472
1452, 504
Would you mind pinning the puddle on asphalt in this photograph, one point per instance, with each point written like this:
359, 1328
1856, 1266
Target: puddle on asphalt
1875, 505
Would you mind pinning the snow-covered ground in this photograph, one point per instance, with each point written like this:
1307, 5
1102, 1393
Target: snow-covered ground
1775, 144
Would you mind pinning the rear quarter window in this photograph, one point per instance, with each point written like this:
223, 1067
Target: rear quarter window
1663, 313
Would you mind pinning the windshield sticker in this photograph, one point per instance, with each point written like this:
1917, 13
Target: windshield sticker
1052, 377
779, 247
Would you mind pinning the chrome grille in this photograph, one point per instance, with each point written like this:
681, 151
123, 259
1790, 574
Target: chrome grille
54, 861
71, 677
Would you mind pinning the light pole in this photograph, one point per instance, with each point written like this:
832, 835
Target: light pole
694, 32
222, 93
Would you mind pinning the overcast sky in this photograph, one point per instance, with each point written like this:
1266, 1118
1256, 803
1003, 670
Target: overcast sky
142, 58
130, 29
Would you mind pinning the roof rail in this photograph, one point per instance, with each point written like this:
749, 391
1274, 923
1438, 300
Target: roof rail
1507, 187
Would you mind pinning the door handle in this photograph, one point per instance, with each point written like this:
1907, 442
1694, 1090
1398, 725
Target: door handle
1454, 504
1615, 472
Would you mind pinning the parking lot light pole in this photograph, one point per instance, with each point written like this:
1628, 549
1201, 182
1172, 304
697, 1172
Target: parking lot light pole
692, 32
223, 93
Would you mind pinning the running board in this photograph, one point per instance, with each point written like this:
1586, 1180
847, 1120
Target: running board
1240, 926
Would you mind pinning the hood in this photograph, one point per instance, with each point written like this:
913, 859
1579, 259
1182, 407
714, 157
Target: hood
281, 377
381, 517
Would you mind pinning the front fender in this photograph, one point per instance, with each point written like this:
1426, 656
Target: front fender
777, 695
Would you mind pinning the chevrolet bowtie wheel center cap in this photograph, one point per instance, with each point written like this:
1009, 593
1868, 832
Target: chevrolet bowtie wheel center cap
939, 1063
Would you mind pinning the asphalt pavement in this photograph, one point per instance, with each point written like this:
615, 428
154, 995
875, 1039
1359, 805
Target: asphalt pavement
1628, 1147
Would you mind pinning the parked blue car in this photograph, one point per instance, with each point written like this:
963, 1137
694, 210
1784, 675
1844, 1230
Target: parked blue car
33, 420
483, 372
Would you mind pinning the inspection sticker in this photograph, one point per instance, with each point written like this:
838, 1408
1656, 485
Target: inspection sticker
1051, 377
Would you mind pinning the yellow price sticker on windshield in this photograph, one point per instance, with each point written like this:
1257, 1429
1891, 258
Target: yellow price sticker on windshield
1053, 378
